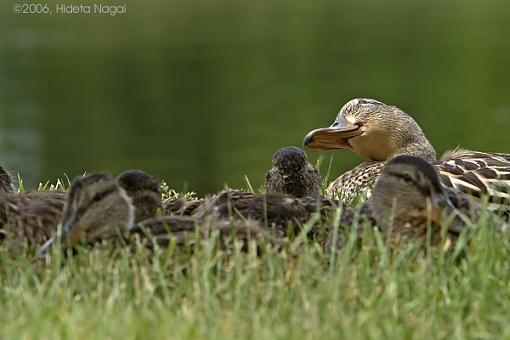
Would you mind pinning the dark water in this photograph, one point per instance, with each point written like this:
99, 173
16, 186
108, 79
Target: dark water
202, 92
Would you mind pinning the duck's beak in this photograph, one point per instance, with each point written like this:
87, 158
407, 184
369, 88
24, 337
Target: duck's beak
442, 209
440, 213
334, 137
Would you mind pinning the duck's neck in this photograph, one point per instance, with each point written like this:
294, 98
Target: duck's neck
420, 148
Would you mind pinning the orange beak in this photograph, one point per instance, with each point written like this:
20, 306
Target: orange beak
334, 137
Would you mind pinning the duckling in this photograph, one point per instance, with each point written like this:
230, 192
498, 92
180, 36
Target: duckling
380, 132
280, 213
144, 191
292, 174
97, 207
408, 194
27, 218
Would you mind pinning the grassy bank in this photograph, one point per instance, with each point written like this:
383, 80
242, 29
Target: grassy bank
363, 291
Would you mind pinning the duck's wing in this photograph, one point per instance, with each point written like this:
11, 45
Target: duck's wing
477, 174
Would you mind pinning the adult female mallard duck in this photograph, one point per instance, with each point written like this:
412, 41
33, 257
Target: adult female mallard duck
380, 132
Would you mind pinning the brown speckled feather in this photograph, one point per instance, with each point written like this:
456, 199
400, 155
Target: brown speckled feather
30, 219
476, 174
355, 183
181, 207
183, 230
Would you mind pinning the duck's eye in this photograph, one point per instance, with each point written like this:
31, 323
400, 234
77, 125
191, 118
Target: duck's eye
407, 178
99, 196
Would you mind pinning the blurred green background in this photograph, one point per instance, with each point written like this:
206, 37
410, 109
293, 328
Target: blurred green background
202, 92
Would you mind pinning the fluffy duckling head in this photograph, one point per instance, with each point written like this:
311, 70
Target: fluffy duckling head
144, 191
292, 174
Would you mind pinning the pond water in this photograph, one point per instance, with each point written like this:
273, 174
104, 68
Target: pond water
201, 93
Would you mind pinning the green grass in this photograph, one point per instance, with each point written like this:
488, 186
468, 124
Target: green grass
365, 290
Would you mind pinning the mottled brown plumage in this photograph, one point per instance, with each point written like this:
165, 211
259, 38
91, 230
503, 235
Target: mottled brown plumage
408, 195
6, 185
31, 218
144, 191
181, 207
186, 231
96, 208
278, 212
356, 183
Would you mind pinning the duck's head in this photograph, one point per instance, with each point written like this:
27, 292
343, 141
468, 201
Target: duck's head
407, 189
97, 207
372, 129
144, 191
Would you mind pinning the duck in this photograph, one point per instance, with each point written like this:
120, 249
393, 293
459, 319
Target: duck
97, 207
381, 132
292, 174
290, 196
408, 197
27, 218
144, 190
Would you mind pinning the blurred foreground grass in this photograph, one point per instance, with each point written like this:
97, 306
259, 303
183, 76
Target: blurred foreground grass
363, 291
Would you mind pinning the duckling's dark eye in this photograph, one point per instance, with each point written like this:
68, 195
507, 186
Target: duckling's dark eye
102, 194
407, 178
98, 196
